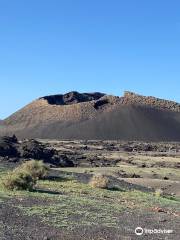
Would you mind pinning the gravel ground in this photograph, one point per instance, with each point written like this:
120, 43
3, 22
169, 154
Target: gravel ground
14, 225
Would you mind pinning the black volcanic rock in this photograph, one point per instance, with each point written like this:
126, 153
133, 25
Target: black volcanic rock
8, 146
100, 103
35, 150
13, 151
32, 149
72, 98
61, 160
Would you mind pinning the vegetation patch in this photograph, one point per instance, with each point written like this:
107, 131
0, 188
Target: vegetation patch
25, 176
79, 204
19, 180
37, 169
71, 212
99, 181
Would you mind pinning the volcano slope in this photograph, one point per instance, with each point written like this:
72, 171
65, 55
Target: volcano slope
96, 116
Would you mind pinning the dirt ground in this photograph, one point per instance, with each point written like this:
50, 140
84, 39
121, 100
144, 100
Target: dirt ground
15, 225
64, 206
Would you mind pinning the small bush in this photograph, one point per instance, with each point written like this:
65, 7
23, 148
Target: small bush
99, 181
37, 169
24, 177
159, 193
19, 180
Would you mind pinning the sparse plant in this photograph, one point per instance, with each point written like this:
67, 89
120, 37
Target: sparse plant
99, 181
19, 180
37, 169
24, 177
159, 193
88, 171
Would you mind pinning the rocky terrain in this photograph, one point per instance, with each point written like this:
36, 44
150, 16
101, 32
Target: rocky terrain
133, 140
96, 116
143, 190
14, 151
132, 98
143, 161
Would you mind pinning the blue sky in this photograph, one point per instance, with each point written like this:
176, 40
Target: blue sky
55, 46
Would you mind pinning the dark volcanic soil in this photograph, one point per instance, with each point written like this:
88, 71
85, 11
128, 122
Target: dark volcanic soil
124, 122
15, 225
139, 166
96, 116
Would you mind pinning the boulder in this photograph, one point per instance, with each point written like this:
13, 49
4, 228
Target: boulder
35, 150
8, 146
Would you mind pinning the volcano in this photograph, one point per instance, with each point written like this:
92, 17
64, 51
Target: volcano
96, 116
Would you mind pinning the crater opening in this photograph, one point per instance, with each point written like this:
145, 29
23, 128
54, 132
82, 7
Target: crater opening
72, 98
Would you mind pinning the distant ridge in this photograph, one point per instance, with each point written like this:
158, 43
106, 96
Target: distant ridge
97, 116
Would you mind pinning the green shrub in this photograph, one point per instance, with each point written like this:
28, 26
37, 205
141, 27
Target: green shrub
37, 169
99, 181
24, 177
19, 180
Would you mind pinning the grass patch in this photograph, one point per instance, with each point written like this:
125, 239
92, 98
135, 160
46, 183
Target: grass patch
79, 204
173, 174
71, 212
82, 205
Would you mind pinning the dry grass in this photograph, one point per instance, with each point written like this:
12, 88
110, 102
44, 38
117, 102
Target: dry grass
99, 181
37, 169
159, 193
25, 176
19, 180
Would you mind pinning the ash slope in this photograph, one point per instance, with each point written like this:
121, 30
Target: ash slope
97, 116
